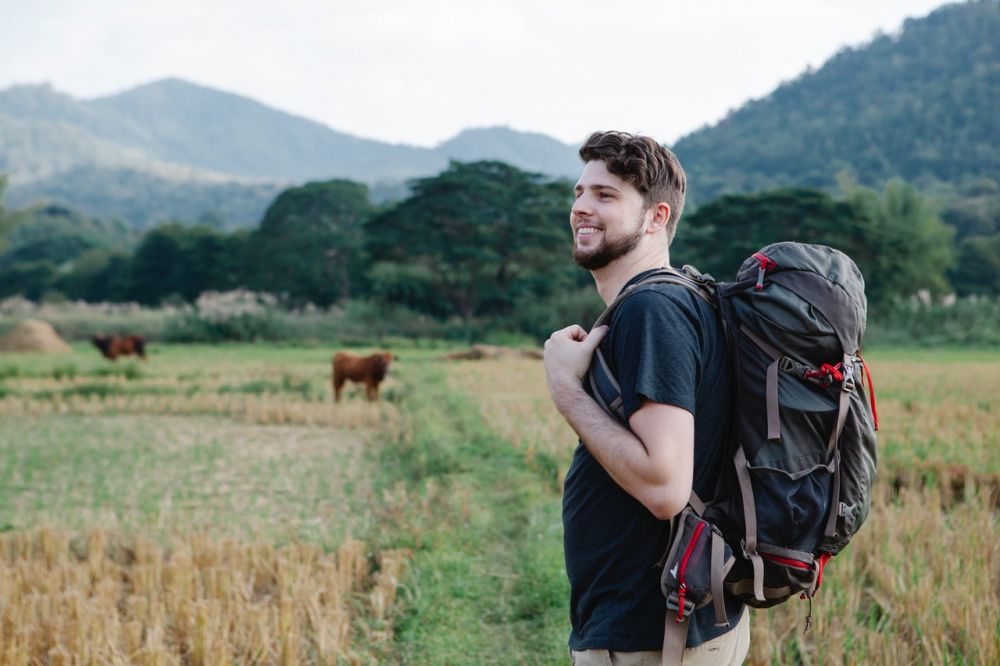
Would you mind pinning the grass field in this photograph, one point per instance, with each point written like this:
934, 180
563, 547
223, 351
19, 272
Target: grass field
212, 505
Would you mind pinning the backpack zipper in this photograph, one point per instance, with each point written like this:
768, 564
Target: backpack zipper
682, 570
787, 561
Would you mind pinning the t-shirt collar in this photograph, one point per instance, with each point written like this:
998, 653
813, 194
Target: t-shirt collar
639, 276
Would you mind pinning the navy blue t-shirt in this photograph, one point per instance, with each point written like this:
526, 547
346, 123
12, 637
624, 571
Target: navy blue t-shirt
665, 345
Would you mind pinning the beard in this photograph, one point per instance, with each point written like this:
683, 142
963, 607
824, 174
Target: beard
608, 251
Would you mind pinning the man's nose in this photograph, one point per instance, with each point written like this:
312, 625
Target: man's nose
582, 207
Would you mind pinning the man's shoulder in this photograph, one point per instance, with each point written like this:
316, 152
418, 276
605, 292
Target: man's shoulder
662, 300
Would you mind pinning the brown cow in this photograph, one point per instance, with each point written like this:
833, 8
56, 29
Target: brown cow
113, 346
369, 370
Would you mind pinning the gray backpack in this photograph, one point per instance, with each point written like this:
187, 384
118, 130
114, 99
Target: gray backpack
800, 462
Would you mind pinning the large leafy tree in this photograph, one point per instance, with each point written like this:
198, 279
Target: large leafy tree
8, 220
157, 265
59, 234
904, 246
474, 240
896, 238
98, 275
720, 235
309, 245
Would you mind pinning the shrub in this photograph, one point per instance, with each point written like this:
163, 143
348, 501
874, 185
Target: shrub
239, 315
972, 321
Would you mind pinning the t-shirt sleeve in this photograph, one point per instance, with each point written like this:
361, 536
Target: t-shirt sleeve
657, 349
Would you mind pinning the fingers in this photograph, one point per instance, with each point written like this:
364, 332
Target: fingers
595, 336
577, 333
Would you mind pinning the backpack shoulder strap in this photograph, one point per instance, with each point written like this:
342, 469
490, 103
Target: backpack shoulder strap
604, 385
700, 284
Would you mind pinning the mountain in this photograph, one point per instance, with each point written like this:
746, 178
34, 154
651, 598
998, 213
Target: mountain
919, 105
173, 149
526, 150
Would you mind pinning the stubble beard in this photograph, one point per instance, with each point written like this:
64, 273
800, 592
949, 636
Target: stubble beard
608, 251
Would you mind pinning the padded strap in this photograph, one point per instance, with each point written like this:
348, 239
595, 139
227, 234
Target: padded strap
831, 521
718, 574
674, 640
750, 520
764, 347
846, 388
771, 388
771, 401
666, 275
605, 388
695, 502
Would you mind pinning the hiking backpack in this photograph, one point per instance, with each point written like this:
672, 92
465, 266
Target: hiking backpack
800, 458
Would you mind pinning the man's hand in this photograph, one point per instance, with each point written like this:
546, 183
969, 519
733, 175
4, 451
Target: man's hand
567, 358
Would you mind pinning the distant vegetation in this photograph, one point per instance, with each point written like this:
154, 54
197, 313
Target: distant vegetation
481, 250
887, 152
918, 106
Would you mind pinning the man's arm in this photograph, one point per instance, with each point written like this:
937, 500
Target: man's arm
654, 461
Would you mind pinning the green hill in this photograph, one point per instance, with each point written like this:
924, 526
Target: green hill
919, 105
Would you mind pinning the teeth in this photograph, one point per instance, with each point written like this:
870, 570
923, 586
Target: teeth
586, 231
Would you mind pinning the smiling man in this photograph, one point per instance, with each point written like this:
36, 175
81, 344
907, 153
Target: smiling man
629, 477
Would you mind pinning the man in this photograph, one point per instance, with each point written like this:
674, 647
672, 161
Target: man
667, 351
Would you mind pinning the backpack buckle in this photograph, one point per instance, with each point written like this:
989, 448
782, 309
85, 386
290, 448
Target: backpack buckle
673, 604
848, 383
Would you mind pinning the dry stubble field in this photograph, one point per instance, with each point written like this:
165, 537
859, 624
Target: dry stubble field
203, 508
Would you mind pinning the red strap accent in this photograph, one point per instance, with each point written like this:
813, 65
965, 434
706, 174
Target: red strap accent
871, 390
820, 564
766, 262
680, 602
825, 370
834, 370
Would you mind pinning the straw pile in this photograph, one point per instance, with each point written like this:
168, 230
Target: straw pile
34, 335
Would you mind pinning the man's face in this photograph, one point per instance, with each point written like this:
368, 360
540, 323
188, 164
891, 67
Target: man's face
608, 217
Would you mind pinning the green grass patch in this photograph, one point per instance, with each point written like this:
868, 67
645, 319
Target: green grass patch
487, 581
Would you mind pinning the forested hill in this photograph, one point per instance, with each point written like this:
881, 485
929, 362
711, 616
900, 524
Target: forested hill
176, 128
922, 105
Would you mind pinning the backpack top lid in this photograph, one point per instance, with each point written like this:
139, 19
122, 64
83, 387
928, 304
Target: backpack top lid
827, 278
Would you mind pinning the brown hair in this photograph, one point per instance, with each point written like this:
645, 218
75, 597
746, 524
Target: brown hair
649, 167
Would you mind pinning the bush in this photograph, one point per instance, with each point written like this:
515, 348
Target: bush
241, 316
77, 320
972, 321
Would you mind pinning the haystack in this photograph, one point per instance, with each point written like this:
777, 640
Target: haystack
34, 335
487, 352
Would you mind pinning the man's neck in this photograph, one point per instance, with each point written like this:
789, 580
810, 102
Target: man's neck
615, 275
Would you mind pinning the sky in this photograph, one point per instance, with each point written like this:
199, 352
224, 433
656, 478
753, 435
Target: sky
420, 72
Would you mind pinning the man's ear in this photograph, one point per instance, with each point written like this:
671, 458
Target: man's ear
661, 215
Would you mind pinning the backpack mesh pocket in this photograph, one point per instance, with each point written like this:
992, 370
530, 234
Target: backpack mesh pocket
687, 573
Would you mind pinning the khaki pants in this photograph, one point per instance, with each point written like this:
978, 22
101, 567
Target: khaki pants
729, 649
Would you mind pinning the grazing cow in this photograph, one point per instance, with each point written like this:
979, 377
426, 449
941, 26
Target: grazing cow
369, 370
113, 346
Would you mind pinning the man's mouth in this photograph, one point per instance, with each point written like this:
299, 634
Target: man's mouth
587, 231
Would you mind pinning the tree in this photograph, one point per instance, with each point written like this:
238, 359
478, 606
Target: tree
156, 265
29, 279
7, 220
721, 234
897, 240
904, 246
474, 240
309, 245
977, 271
98, 275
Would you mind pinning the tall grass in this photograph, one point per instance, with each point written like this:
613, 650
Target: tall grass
920, 584
462, 467
69, 599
